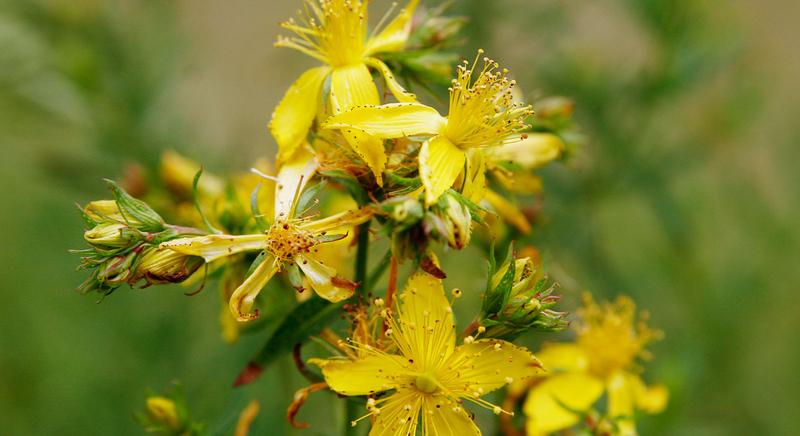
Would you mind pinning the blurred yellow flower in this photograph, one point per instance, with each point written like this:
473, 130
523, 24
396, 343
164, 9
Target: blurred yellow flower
163, 410
482, 114
335, 33
430, 375
602, 360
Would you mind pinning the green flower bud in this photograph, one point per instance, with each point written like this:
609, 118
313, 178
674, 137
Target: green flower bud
111, 235
136, 212
458, 223
516, 301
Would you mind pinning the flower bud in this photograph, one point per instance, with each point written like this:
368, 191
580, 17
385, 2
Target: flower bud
162, 410
116, 270
516, 301
404, 211
136, 212
110, 235
458, 223
165, 266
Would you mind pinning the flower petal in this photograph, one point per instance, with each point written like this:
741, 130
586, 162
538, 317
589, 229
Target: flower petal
399, 414
292, 177
391, 83
324, 281
443, 416
213, 247
351, 86
341, 220
508, 210
426, 329
295, 113
475, 177
652, 399
440, 162
367, 375
563, 357
545, 405
489, 364
532, 152
369, 149
628, 393
394, 120
244, 297
394, 36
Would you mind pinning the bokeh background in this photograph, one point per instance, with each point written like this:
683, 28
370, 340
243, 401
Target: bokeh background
685, 195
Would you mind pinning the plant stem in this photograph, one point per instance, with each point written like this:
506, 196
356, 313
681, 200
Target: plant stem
362, 255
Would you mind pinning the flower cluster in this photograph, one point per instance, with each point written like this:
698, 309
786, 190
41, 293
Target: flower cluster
362, 160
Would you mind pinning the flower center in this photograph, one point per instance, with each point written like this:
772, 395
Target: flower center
426, 383
285, 240
482, 107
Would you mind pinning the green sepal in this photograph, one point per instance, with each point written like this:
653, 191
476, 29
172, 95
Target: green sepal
142, 216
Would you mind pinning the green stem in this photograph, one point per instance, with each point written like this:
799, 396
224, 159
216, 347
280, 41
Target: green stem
362, 255
352, 408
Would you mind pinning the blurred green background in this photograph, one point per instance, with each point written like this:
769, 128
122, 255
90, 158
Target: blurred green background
685, 196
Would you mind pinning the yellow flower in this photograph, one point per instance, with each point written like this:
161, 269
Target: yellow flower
431, 377
601, 361
482, 114
290, 240
335, 33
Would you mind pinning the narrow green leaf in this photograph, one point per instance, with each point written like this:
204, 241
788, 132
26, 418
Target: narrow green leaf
196, 199
306, 320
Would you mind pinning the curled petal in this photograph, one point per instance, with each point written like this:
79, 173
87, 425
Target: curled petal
440, 162
213, 247
295, 113
300, 398
324, 281
391, 83
244, 297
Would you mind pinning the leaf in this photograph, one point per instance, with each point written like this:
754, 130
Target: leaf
495, 299
307, 319
145, 218
196, 199
308, 196
262, 224
350, 183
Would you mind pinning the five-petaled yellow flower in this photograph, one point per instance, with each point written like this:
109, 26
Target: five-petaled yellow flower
335, 33
483, 113
601, 360
290, 240
431, 377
